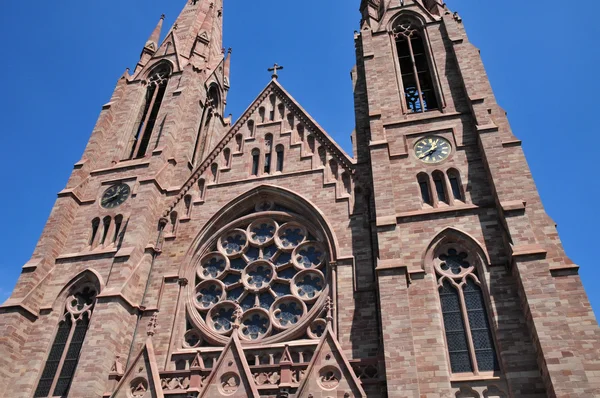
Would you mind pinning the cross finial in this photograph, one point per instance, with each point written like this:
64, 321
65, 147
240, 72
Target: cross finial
274, 69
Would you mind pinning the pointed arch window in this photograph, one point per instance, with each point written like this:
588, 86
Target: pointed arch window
255, 161
212, 108
280, 158
469, 337
64, 354
268, 152
415, 68
423, 180
155, 93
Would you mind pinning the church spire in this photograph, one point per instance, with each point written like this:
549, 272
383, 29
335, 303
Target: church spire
151, 45
199, 29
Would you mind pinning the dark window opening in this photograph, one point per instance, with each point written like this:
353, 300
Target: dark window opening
440, 189
106, 227
414, 68
56, 353
456, 336
455, 185
423, 180
479, 324
255, 161
118, 225
95, 226
157, 86
267, 163
280, 158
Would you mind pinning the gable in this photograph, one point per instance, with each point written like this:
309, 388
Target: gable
274, 116
330, 372
142, 379
231, 375
166, 51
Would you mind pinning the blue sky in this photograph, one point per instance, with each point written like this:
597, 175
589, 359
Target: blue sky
62, 60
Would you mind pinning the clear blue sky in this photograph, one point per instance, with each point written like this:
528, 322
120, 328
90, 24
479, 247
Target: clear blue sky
63, 58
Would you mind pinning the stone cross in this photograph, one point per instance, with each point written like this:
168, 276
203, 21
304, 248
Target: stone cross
274, 69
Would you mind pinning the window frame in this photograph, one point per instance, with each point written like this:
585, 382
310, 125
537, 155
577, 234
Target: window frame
433, 70
459, 282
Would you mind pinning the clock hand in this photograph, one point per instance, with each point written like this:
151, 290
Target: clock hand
429, 152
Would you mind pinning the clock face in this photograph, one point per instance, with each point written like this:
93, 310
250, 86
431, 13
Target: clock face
115, 196
433, 149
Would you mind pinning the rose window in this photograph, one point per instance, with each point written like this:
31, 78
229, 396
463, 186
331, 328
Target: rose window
267, 275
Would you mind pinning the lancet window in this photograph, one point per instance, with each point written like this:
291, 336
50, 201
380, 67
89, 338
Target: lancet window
64, 354
155, 93
415, 69
469, 338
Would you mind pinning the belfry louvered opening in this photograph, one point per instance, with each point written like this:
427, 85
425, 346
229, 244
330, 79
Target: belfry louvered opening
415, 69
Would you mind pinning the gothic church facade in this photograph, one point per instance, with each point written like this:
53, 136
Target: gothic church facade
193, 256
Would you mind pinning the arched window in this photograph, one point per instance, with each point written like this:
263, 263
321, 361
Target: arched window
64, 354
239, 142
423, 180
469, 337
261, 113
268, 150
174, 221
201, 188
95, 227
455, 185
440, 187
280, 158
281, 108
255, 161
414, 67
188, 205
347, 183
214, 171
118, 226
227, 157
105, 228
273, 100
251, 128
211, 109
155, 93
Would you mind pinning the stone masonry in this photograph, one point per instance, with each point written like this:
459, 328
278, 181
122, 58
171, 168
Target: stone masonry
193, 256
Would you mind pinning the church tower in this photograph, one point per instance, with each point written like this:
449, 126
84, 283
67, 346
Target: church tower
191, 256
477, 296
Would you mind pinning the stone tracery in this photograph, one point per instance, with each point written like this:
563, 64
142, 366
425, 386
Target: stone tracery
269, 268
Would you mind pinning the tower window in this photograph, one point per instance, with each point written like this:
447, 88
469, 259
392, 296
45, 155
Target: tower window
423, 180
155, 93
239, 142
105, 229
64, 354
469, 337
414, 67
118, 225
454, 179
280, 158
273, 99
255, 161
95, 226
227, 157
440, 188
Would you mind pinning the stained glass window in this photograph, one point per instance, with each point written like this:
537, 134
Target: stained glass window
469, 336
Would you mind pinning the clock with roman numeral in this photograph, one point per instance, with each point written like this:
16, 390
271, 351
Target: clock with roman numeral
433, 149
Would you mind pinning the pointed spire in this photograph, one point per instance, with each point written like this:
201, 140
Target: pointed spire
227, 70
152, 43
200, 19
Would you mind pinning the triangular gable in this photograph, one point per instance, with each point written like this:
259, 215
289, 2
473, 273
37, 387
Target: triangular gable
142, 378
324, 139
167, 50
231, 375
330, 372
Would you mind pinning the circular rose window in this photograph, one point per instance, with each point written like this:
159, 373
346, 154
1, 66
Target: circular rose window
267, 273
